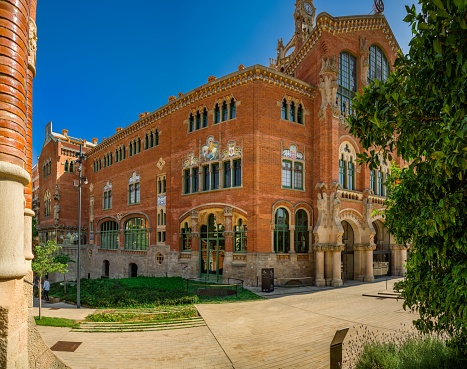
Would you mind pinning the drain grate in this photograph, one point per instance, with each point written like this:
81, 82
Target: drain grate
65, 346
54, 308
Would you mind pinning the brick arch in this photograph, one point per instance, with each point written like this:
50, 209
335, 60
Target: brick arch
134, 215
218, 205
308, 209
287, 205
355, 219
105, 219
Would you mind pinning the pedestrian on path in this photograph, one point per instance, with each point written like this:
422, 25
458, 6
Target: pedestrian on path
46, 289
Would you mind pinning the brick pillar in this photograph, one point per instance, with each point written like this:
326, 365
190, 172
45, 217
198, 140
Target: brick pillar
15, 170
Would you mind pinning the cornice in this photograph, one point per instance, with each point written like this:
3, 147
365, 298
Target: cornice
337, 25
248, 75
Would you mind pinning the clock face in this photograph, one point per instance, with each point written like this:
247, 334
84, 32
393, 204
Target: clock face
308, 8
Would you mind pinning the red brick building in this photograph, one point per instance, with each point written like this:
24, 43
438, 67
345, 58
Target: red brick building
252, 170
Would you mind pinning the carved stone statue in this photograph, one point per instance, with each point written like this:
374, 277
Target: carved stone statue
56, 213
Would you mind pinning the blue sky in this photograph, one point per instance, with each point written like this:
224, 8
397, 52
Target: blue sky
102, 62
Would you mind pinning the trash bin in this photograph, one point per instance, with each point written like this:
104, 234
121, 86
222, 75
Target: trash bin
267, 279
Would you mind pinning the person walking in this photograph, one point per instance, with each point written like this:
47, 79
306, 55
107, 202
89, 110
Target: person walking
46, 289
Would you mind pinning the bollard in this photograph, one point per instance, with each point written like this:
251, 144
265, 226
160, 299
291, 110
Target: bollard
336, 348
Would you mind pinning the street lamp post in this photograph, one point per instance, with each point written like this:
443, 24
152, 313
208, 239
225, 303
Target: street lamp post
80, 159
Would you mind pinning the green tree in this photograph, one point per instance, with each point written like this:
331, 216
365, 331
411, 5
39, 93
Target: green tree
64, 259
420, 113
45, 262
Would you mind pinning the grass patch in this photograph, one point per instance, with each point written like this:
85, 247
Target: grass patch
400, 350
56, 322
161, 314
139, 292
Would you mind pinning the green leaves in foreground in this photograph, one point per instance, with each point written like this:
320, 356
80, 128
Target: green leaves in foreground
419, 114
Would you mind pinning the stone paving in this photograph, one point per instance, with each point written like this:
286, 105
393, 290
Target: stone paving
291, 328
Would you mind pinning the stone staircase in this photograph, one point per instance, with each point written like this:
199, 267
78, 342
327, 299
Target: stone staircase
140, 326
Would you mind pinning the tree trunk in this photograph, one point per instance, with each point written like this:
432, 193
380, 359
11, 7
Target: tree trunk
40, 297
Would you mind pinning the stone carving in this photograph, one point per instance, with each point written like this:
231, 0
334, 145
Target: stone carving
328, 84
32, 43
364, 61
56, 213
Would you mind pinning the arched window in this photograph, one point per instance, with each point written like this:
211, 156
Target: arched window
225, 111
146, 141
186, 237
205, 118
70, 168
217, 114
379, 66
347, 81
378, 178
47, 204
281, 231
347, 158
292, 112
191, 123
136, 234
284, 110
233, 109
66, 166
131, 148
240, 239
301, 231
109, 235
198, 120
300, 114
157, 137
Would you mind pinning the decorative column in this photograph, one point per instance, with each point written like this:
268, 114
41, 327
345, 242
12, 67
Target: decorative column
369, 277
228, 230
336, 266
398, 259
319, 266
328, 266
194, 231
292, 239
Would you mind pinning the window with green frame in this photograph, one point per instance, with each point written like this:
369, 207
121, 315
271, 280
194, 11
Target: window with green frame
185, 235
281, 231
286, 173
292, 174
107, 203
347, 81
377, 182
301, 234
109, 235
133, 193
347, 173
136, 234
227, 175
240, 238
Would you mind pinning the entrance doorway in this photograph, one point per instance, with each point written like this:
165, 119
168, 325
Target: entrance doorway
212, 248
133, 270
348, 253
382, 254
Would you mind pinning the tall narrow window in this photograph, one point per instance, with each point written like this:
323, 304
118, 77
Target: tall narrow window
225, 111
347, 158
157, 137
47, 204
227, 175
186, 175
281, 231
186, 237
205, 118
195, 180
206, 178
347, 85
301, 231
292, 112
107, 199
215, 176
300, 114
298, 176
237, 169
379, 66
233, 109
198, 120
217, 114
342, 173
240, 238
286, 174
284, 110
350, 175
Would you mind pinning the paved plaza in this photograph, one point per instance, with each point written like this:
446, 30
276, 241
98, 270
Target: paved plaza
291, 328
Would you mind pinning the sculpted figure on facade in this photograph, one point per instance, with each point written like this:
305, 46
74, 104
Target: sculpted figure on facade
364, 61
328, 84
56, 213
32, 43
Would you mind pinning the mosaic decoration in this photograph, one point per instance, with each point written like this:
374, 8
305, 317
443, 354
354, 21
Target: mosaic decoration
160, 164
190, 161
134, 178
292, 153
232, 150
161, 200
210, 151
108, 186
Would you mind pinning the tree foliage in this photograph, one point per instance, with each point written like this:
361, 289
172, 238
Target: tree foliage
420, 114
45, 261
